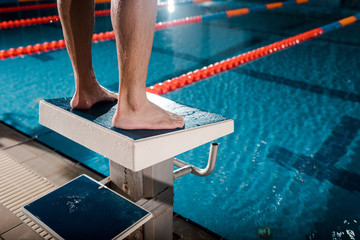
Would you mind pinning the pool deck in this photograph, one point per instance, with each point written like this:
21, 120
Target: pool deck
51, 169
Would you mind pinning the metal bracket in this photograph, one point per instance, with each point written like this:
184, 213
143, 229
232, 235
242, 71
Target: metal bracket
186, 168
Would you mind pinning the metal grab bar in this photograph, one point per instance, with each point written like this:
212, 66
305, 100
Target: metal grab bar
186, 168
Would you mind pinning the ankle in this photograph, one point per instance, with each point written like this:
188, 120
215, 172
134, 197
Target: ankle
86, 81
132, 102
87, 88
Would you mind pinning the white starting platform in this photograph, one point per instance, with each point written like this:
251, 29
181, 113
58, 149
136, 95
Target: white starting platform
141, 161
133, 149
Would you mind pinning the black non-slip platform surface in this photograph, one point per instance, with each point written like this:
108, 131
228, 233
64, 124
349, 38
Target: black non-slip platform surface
102, 113
80, 210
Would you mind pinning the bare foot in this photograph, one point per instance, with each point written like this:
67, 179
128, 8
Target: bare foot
146, 116
86, 98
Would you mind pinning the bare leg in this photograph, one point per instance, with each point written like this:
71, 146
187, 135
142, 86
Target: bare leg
134, 24
77, 20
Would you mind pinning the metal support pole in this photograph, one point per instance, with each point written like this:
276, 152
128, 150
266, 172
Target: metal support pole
186, 168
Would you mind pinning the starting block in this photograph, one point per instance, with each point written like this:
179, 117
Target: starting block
141, 161
133, 149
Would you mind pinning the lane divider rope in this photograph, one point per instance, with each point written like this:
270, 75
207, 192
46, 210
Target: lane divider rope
37, 7
229, 14
230, 63
41, 20
51, 19
54, 5
27, 7
104, 36
166, 4
164, 25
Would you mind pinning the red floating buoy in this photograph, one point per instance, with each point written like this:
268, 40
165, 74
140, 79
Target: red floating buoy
3, 54
61, 43
107, 35
20, 50
182, 80
101, 36
159, 88
153, 90
11, 52
167, 85
190, 78
217, 67
95, 37
10, 24
229, 64
223, 65
37, 48
29, 49
197, 75
28, 21
4, 25
16, 23
204, 72
45, 46
53, 45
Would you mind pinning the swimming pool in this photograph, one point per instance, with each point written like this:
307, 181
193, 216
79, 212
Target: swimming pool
292, 163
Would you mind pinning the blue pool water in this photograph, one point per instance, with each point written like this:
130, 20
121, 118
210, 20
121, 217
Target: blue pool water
291, 165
